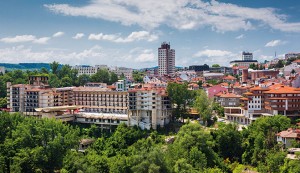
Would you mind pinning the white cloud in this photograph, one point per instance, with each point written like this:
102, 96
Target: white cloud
42, 40
212, 53
146, 55
180, 14
101, 36
274, 43
240, 36
58, 34
78, 36
91, 56
134, 36
25, 38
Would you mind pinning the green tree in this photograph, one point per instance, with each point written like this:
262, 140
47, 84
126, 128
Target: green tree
290, 166
102, 75
204, 106
83, 79
54, 67
181, 97
138, 76
113, 78
66, 81
279, 64
229, 142
44, 70
192, 143
122, 76
3, 102
259, 138
215, 65
54, 81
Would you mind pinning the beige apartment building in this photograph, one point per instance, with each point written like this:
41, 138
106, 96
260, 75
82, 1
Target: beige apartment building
103, 100
149, 108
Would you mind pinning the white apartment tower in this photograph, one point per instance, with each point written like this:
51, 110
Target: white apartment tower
247, 56
166, 59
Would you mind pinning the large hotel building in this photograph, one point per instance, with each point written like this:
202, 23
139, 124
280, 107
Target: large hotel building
146, 107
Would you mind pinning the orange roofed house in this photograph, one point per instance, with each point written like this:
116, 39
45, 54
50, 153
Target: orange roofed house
286, 137
266, 100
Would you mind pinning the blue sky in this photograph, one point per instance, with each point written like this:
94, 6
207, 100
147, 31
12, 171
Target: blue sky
128, 33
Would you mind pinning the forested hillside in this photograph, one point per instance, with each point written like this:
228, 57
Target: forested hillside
45, 145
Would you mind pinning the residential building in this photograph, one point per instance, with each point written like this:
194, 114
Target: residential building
266, 100
16, 97
166, 59
224, 70
291, 55
247, 59
212, 91
243, 63
294, 66
89, 70
85, 69
255, 74
216, 76
229, 79
149, 108
227, 99
127, 72
121, 85
286, 137
198, 68
25, 98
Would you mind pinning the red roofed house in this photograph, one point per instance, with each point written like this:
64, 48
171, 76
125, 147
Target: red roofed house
287, 136
229, 79
229, 99
212, 91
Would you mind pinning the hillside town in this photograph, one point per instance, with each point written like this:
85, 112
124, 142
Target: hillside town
160, 97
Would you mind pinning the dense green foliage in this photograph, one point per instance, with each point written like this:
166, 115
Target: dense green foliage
256, 66
204, 106
215, 65
138, 76
181, 97
29, 144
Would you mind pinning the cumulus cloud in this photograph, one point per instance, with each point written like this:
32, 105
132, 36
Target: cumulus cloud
240, 36
212, 53
134, 36
78, 36
58, 34
180, 14
92, 56
146, 55
25, 38
274, 43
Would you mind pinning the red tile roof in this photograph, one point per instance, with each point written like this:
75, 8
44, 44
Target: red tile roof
290, 133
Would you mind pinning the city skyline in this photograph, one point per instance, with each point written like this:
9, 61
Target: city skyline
128, 33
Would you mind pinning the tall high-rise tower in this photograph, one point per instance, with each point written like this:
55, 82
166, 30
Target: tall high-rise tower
166, 59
